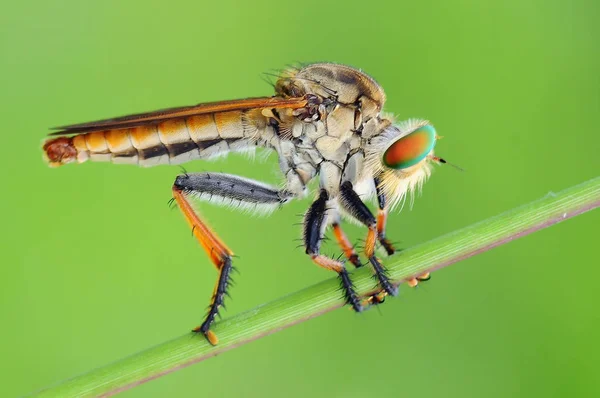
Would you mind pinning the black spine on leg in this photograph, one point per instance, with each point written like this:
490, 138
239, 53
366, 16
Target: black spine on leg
220, 292
382, 277
352, 204
349, 292
313, 223
355, 206
313, 235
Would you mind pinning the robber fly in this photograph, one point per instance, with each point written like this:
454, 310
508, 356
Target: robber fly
325, 121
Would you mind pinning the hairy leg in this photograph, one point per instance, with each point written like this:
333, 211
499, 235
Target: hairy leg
352, 203
314, 228
228, 189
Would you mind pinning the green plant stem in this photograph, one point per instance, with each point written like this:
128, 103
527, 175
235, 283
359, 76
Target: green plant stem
326, 296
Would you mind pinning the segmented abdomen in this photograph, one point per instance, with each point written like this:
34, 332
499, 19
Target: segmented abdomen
169, 142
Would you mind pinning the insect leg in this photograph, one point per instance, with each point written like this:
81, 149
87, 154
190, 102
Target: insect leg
352, 203
219, 186
345, 244
314, 229
381, 221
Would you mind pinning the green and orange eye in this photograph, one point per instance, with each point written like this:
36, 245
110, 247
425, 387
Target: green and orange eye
410, 149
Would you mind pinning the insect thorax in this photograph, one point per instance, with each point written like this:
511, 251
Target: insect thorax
340, 82
331, 141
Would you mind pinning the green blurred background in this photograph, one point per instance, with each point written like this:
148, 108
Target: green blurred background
95, 267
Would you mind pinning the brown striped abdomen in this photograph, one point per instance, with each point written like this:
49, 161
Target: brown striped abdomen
169, 142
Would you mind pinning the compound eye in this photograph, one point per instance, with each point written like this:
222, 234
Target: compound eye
410, 149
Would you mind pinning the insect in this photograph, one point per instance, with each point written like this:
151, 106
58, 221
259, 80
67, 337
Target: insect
325, 121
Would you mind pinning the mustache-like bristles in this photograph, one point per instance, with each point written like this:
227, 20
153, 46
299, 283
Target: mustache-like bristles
396, 184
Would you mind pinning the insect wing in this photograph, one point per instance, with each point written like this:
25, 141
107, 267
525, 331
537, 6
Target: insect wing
143, 119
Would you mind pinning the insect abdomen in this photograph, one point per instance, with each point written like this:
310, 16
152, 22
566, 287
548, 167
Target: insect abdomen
168, 142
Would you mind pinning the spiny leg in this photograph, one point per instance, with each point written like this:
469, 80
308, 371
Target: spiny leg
217, 186
218, 253
381, 221
345, 244
314, 228
351, 202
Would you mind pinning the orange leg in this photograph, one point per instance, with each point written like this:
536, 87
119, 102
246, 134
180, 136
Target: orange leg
224, 186
346, 246
389, 248
352, 256
354, 206
380, 271
381, 221
219, 254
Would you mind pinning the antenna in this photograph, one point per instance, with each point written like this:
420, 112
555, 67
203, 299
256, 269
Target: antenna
443, 161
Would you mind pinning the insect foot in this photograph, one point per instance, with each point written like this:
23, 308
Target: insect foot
374, 299
421, 278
